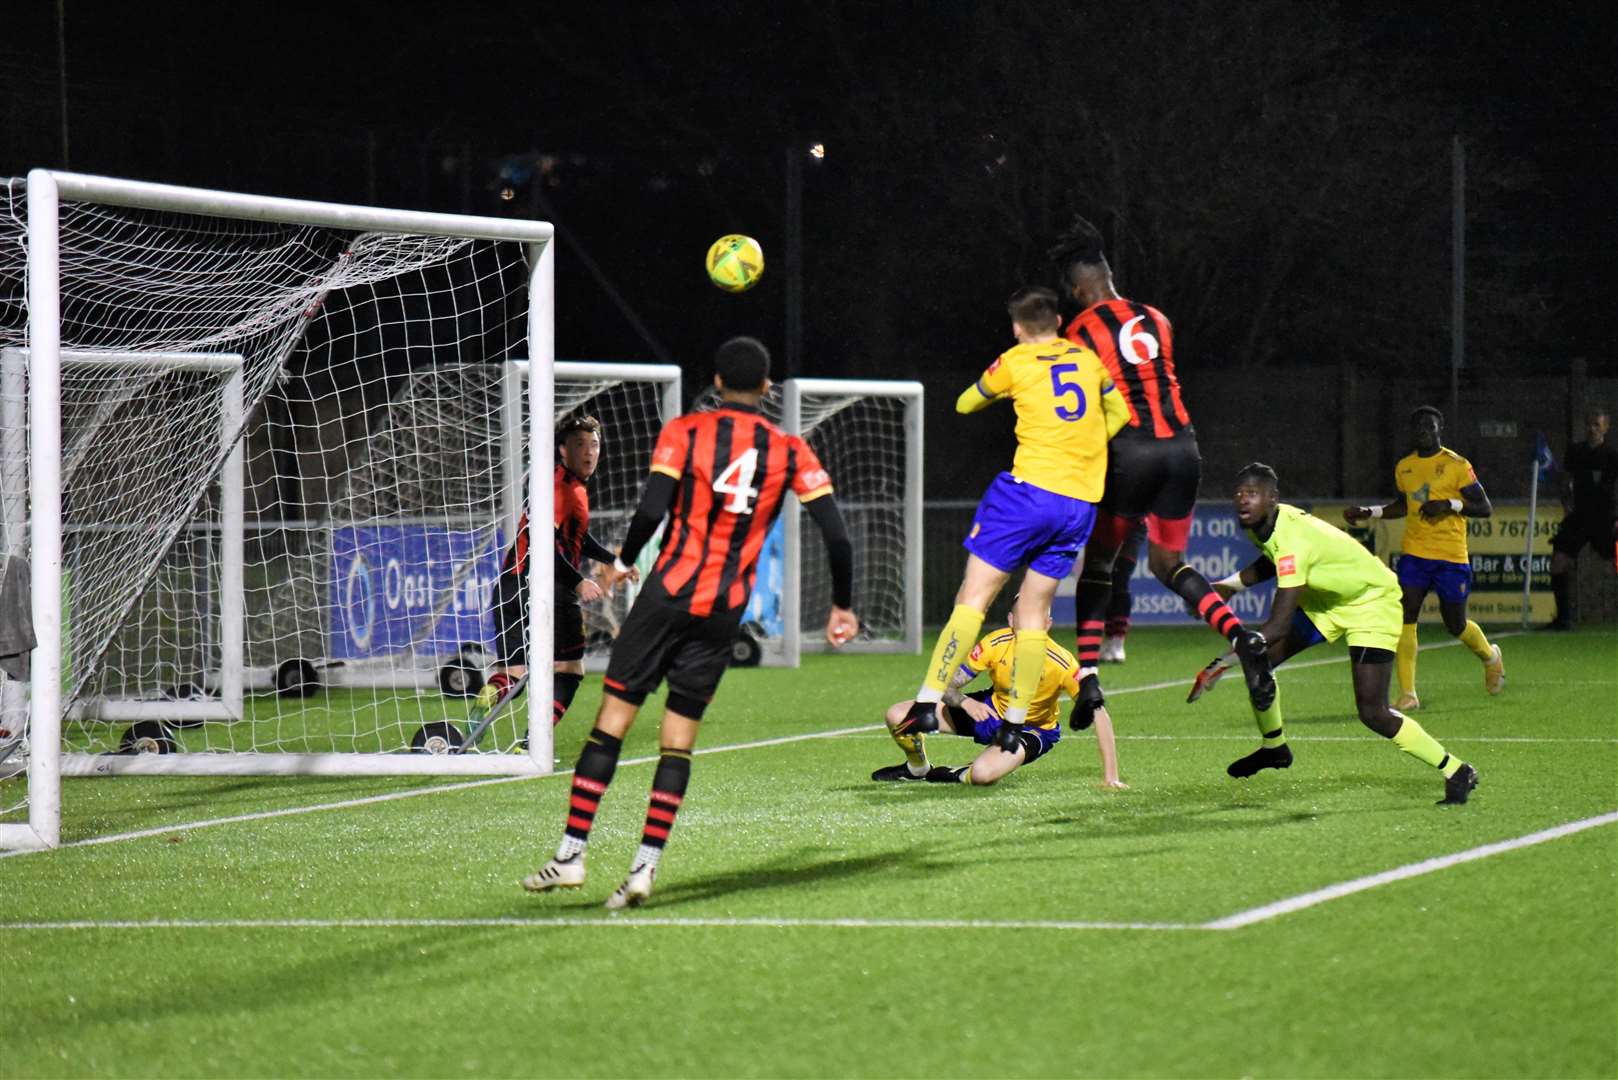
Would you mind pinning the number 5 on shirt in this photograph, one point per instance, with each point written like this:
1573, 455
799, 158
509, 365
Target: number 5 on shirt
1060, 388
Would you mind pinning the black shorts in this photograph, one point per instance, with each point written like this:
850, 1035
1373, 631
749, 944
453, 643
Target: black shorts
1153, 476
659, 640
511, 622
1577, 530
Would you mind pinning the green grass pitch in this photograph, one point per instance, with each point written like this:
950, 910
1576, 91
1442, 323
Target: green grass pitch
809, 922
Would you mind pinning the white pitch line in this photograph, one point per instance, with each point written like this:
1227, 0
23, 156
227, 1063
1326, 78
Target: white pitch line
610, 921
1229, 922
1402, 873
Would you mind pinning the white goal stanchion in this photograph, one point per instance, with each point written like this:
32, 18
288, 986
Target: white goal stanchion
868, 435
190, 351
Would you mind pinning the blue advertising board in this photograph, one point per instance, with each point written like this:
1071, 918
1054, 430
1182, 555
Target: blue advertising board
1217, 547
394, 585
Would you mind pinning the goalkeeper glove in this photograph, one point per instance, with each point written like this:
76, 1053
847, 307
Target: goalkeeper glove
1009, 737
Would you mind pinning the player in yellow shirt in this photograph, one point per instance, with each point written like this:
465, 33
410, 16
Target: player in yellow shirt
1438, 491
1327, 585
978, 715
1040, 513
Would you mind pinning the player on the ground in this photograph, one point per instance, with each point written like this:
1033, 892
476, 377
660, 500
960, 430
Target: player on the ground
1119, 601
1438, 491
578, 452
978, 716
1590, 498
1327, 586
721, 478
1153, 465
1037, 515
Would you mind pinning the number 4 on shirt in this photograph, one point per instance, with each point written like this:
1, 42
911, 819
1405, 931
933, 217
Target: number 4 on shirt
737, 482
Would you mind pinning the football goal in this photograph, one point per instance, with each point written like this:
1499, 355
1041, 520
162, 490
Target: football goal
262, 458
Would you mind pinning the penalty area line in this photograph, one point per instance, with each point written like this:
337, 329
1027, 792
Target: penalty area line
1402, 873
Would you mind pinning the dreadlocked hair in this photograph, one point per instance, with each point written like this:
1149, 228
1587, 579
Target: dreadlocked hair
1080, 242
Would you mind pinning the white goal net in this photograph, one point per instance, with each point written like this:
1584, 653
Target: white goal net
264, 458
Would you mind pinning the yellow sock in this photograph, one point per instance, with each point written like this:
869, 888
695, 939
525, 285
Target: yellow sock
957, 639
1270, 725
1413, 739
915, 752
1027, 666
1405, 658
1472, 637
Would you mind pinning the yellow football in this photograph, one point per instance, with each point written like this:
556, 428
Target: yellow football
735, 262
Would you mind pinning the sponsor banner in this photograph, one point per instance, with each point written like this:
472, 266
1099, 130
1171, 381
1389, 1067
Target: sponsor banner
1496, 545
1218, 547
392, 586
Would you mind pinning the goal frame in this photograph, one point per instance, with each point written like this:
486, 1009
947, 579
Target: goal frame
794, 642
232, 538
47, 764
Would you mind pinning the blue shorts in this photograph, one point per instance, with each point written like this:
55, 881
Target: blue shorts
1018, 524
1037, 741
1452, 581
1304, 633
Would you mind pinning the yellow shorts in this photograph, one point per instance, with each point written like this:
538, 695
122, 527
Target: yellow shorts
1373, 621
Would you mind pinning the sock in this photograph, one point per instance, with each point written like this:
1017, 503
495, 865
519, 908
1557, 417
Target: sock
1413, 739
1027, 667
1089, 602
1564, 609
1269, 723
1118, 602
668, 791
597, 762
956, 640
915, 752
1405, 658
1200, 597
502, 685
1472, 637
566, 684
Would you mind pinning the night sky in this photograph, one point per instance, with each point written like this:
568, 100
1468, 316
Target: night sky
1275, 176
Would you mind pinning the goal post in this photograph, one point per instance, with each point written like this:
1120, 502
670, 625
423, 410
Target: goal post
868, 434
126, 277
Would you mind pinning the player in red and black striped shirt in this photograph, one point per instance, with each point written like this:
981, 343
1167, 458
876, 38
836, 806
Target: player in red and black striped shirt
721, 478
578, 451
1153, 464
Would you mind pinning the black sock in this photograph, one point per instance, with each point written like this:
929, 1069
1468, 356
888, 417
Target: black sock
1200, 597
1564, 609
597, 762
668, 792
564, 686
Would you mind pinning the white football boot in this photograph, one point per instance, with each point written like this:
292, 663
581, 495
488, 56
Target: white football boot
557, 874
635, 890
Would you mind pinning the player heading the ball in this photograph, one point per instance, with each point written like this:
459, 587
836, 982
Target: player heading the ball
1153, 466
